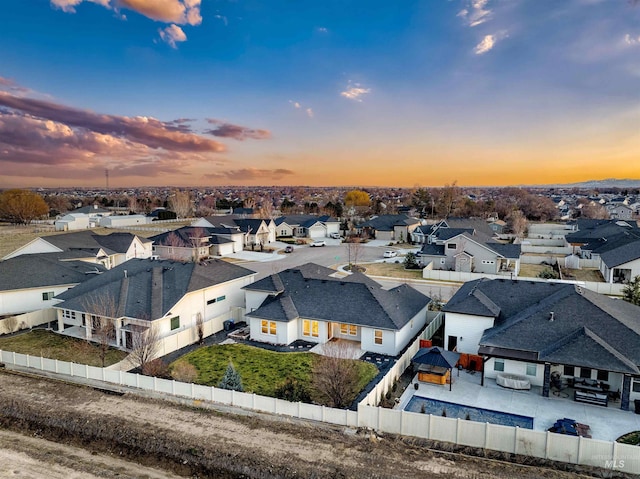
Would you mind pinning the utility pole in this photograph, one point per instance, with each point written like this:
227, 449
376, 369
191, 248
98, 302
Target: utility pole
106, 175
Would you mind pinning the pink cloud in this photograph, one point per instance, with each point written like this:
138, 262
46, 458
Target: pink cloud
251, 174
237, 132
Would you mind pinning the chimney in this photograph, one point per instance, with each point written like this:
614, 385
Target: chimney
551, 316
125, 273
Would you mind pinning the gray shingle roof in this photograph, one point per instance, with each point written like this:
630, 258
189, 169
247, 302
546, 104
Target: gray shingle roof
149, 289
308, 292
45, 269
587, 328
387, 222
622, 254
88, 241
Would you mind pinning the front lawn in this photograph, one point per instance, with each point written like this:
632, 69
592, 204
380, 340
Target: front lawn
392, 269
262, 371
48, 344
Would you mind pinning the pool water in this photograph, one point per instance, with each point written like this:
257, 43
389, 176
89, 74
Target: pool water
452, 410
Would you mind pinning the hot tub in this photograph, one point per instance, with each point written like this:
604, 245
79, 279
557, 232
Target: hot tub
513, 381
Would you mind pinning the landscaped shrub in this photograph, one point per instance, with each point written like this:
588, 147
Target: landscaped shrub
548, 273
292, 390
231, 379
157, 368
184, 372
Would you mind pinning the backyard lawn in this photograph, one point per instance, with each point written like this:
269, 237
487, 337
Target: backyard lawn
55, 346
261, 370
392, 269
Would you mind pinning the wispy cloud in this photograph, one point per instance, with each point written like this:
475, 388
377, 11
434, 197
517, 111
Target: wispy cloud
475, 12
251, 174
172, 34
299, 106
355, 91
631, 40
487, 43
322, 30
237, 132
175, 12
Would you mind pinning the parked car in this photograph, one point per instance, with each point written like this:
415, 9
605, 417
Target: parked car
335, 235
390, 254
319, 243
288, 249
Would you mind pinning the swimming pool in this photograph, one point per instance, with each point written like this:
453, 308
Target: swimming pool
452, 410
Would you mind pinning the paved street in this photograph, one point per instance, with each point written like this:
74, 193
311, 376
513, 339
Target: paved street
335, 254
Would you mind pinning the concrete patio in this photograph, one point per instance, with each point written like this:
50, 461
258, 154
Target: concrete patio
607, 423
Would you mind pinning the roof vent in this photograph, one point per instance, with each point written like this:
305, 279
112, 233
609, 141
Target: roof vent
551, 316
125, 273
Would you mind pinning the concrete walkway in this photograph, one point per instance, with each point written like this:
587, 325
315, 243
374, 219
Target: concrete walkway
607, 423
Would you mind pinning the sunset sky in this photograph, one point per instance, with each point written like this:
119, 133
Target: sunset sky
323, 92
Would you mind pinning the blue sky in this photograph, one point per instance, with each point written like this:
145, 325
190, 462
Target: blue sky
485, 92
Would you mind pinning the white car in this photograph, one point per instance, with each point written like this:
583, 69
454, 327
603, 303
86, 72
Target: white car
319, 243
390, 254
335, 235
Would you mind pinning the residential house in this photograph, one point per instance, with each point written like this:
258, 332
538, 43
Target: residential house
389, 227
167, 295
306, 303
616, 243
464, 246
306, 226
256, 231
620, 211
82, 218
124, 220
30, 282
535, 329
109, 250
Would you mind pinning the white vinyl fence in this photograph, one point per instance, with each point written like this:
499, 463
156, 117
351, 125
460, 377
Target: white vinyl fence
557, 447
27, 320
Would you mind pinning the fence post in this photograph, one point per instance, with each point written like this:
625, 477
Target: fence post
486, 434
173, 387
253, 401
614, 452
28, 356
323, 413
515, 441
71, 369
41, 363
86, 371
579, 459
457, 430
378, 410
546, 445
192, 393
155, 389
401, 421
429, 429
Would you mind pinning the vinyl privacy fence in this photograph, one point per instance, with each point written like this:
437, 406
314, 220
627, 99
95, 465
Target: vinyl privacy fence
546, 445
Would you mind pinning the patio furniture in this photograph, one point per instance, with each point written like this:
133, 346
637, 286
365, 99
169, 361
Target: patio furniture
570, 427
591, 398
589, 385
513, 381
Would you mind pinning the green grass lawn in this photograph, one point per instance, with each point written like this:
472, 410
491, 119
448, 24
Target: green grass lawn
261, 370
55, 346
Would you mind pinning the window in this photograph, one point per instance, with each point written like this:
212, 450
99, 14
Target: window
603, 375
488, 261
585, 373
216, 300
635, 386
310, 328
175, 323
569, 371
68, 314
532, 369
377, 336
498, 365
47, 296
268, 327
350, 329
451, 246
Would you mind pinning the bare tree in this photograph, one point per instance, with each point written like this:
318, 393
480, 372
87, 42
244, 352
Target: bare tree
145, 346
102, 309
200, 328
354, 248
335, 377
517, 222
180, 203
174, 241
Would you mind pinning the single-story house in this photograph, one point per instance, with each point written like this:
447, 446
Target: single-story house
389, 227
166, 295
536, 329
306, 303
109, 250
191, 243
306, 226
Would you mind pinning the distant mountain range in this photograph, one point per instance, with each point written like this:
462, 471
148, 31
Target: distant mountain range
595, 184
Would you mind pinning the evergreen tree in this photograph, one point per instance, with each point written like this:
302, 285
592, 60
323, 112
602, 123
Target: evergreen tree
631, 291
231, 379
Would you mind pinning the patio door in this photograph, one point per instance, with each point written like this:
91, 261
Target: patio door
452, 343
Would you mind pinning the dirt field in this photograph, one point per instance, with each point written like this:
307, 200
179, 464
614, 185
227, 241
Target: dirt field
77, 432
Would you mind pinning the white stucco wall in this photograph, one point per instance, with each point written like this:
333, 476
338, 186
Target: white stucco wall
17, 301
253, 299
467, 327
515, 367
388, 345
285, 332
410, 329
